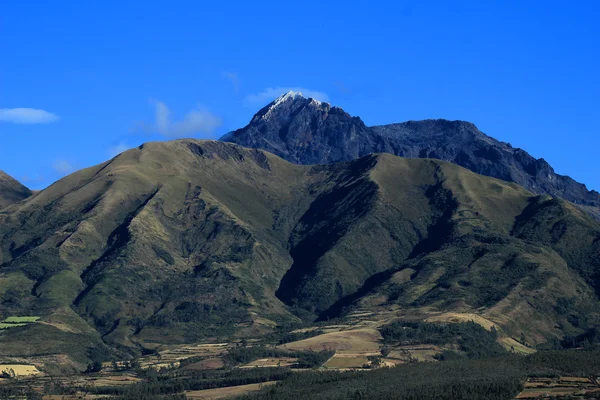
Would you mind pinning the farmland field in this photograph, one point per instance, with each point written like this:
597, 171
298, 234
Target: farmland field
4, 325
272, 362
13, 322
19, 369
363, 340
343, 362
207, 364
226, 391
24, 319
419, 353
566, 386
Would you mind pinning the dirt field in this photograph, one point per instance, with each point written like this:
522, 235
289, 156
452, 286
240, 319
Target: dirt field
343, 361
389, 362
115, 380
271, 362
576, 379
209, 363
173, 355
225, 392
358, 340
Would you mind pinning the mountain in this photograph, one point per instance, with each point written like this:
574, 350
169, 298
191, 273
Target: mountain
11, 191
306, 131
188, 240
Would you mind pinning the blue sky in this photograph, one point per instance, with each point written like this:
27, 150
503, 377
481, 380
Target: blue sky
91, 78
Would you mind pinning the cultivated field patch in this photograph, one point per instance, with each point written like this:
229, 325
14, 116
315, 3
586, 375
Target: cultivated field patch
342, 361
209, 363
19, 369
358, 340
451, 317
226, 391
415, 353
565, 386
24, 319
272, 362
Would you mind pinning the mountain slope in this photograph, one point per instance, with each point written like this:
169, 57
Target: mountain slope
194, 240
11, 191
305, 131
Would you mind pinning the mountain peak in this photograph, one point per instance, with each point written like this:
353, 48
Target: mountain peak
285, 104
286, 96
307, 131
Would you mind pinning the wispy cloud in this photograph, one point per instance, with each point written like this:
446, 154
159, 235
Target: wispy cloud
270, 94
196, 121
233, 78
63, 167
27, 116
118, 149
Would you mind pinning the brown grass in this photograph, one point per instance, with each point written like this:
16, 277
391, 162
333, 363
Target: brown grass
271, 362
20, 369
210, 363
462, 317
575, 379
359, 340
511, 344
341, 361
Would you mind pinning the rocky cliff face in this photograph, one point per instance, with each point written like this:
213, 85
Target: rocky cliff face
306, 131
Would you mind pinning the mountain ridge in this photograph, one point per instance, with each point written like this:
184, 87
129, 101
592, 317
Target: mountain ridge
306, 131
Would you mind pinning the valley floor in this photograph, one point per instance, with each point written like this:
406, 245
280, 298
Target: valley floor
351, 346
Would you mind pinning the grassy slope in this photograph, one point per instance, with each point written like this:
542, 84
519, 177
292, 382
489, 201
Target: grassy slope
482, 264
188, 240
11, 191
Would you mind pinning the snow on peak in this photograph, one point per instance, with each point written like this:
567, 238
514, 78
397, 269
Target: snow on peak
291, 95
267, 114
286, 96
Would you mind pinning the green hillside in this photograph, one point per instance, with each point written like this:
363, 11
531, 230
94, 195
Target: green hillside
188, 240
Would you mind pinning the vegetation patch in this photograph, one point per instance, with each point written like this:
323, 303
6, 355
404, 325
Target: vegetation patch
14, 322
4, 325
17, 320
305, 359
473, 340
341, 362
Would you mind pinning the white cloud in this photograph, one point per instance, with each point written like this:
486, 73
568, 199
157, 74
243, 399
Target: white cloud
196, 121
233, 78
118, 149
270, 94
63, 167
27, 116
